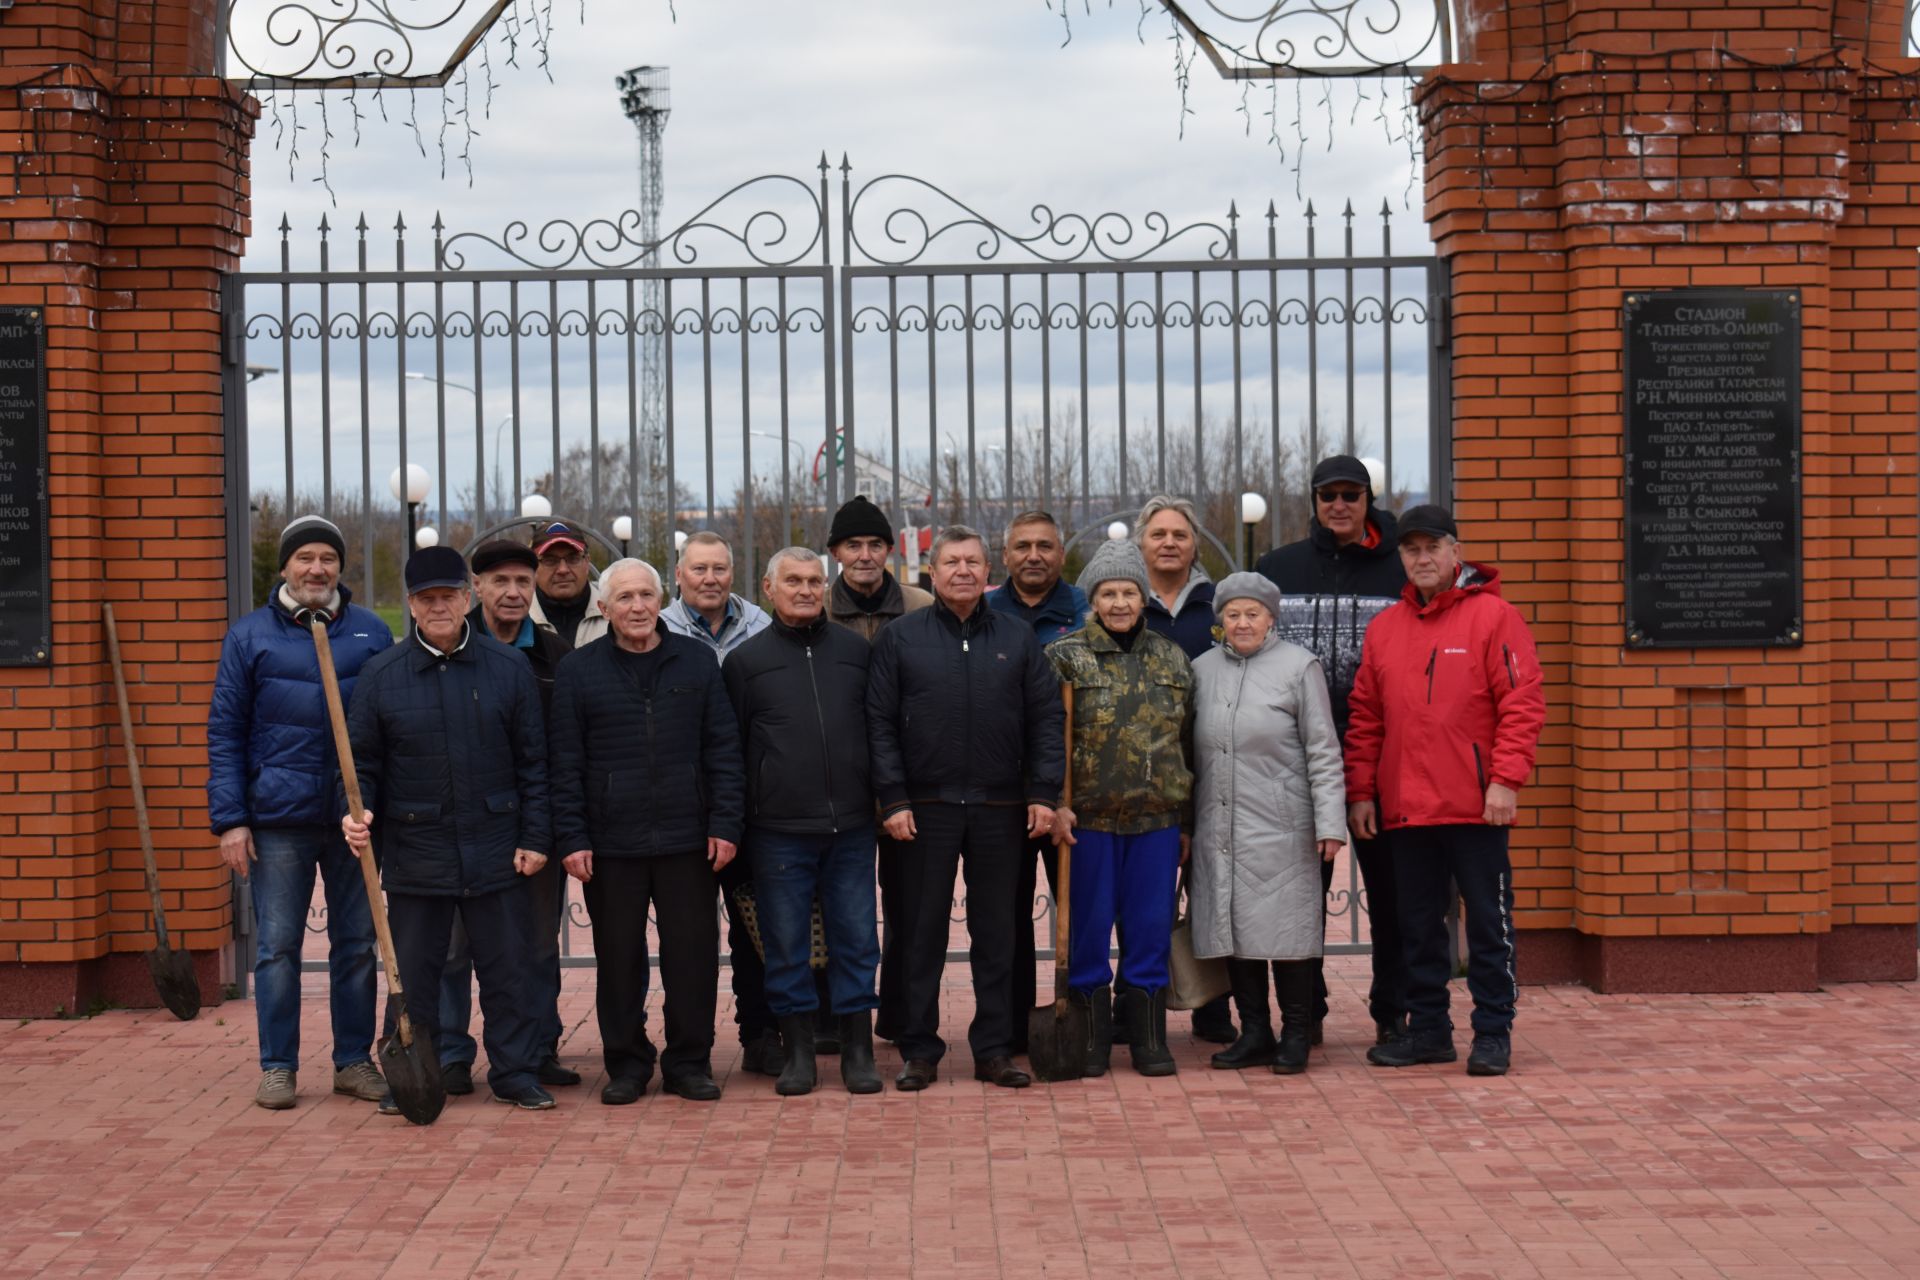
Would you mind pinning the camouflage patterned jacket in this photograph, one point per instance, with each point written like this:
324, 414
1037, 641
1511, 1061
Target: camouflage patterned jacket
1132, 730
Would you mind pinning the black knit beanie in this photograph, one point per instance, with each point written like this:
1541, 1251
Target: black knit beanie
309, 529
859, 519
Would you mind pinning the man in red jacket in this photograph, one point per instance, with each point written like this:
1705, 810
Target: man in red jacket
1445, 715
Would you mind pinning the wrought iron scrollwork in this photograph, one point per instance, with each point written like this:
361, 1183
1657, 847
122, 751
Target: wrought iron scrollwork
1265, 39
362, 44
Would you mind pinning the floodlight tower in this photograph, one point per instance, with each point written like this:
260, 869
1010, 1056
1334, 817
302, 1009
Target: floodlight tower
644, 97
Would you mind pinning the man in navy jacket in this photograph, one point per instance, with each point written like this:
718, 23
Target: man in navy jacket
452, 757
271, 778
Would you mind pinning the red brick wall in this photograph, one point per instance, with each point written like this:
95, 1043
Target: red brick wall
126, 178
1702, 818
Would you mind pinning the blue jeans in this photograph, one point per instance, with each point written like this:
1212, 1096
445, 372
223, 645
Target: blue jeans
789, 871
282, 890
1130, 881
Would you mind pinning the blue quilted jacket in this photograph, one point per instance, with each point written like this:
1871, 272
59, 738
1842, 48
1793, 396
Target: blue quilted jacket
270, 758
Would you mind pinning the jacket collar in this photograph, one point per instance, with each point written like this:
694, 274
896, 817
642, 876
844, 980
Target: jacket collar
1056, 606
973, 623
425, 655
1196, 578
810, 633
342, 598
1474, 579
1234, 655
893, 601
1384, 523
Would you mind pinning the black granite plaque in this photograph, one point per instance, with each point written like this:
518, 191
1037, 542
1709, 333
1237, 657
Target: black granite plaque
1713, 467
26, 601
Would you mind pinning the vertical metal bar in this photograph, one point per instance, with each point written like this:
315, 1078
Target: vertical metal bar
400, 371
706, 381
1120, 345
1006, 372
846, 336
1273, 371
1199, 429
1386, 337
593, 406
633, 409
1239, 441
893, 395
1313, 349
933, 405
973, 480
286, 367
1160, 379
366, 430
830, 334
787, 534
1046, 393
553, 382
326, 382
746, 452
513, 356
479, 418
1347, 275
439, 381
1086, 430
670, 552
1439, 383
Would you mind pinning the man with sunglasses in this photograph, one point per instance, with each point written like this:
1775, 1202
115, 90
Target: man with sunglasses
1333, 583
565, 597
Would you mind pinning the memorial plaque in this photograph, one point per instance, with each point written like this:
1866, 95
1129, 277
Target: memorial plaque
26, 600
1713, 467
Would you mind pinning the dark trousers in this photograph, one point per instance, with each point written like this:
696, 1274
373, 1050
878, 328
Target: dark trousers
680, 888
985, 844
1039, 852
1476, 859
546, 891
747, 972
789, 873
1387, 996
496, 925
893, 964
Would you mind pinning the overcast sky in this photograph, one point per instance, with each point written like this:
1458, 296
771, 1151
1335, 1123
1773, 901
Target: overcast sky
980, 98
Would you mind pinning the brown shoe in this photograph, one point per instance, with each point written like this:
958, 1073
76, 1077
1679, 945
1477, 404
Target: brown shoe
1001, 1072
916, 1076
276, 1089
360, 1080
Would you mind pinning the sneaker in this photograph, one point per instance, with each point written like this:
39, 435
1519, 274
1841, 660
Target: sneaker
276, 1089
456, 1078
388, 1107
531, 1098
1413, 1049
1490, 1057
360, 1080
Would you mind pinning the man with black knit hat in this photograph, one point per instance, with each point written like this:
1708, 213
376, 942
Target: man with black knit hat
865, 598
271, 776
1333, 583
503, 586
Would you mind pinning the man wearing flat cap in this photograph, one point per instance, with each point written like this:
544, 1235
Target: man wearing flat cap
271, 779
451, 753
1445, 716
503, 587
565, 596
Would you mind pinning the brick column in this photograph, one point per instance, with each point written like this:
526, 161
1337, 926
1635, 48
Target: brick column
127, 165
1703, 819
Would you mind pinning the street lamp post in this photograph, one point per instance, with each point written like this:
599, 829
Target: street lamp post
410, 487
1253, 509
623, 533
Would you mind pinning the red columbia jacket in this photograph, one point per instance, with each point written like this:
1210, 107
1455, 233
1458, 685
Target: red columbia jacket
1447, 699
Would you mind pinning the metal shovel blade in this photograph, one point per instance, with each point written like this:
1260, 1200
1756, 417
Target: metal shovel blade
175, 980
413, 1074
1057, 1036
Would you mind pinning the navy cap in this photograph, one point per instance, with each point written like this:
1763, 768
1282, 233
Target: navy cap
435, 567
495, 552
1427, 519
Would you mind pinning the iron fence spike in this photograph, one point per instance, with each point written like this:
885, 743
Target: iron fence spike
324, 228
286, 225
1348, 212
825, 164
1386, 209
846, 165
1311, 215
438, 225
1273, 214
361, 226
399, 222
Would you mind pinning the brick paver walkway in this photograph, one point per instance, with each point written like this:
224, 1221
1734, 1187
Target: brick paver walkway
1672, 1136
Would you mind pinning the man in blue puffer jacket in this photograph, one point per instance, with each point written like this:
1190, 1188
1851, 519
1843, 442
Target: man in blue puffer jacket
271, 780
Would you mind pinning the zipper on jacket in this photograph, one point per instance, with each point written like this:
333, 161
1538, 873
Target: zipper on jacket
1479, 770
1431, 659
1513, 677
653, 832
826, 755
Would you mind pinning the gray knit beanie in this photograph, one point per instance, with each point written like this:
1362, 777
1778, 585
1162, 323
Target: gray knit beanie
1115, 560
309, 529
1246, 586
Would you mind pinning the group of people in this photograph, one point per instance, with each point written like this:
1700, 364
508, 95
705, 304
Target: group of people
1225, 741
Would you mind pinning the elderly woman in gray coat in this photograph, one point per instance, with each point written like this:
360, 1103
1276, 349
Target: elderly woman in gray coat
1269, 807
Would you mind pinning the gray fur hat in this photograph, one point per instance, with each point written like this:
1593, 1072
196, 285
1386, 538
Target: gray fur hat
1246, 586
1116, 559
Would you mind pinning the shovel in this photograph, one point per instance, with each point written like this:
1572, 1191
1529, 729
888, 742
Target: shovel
410, 1063
173, 975
1057, 1033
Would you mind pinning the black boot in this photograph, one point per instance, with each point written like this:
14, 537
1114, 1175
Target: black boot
1099, 1006
1147, 1032
1255, 1047
1213, 1022
1293, 984
857, 1071
1117, 1015
798, 1076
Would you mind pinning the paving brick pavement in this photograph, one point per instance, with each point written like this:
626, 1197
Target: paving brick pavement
1665, 1136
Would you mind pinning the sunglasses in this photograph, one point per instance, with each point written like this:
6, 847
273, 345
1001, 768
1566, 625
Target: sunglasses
1351, 497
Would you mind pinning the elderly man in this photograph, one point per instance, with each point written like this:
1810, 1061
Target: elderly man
965, 722
1333, 583
451, 753
1034, 592
565, 598
810, 828
503, 587
271, 774
648, 804
1445, 717
707, 609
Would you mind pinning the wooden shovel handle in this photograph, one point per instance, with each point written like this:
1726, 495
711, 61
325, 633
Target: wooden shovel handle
1063, 856
350, 779
133, 775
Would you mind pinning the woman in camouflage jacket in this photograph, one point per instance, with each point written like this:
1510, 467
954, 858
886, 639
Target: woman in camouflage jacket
1132, 803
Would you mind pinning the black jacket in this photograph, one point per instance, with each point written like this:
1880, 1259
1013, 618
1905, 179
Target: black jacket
545, 654
452, 758
963, 712
801, 695
643, 772
1330, 594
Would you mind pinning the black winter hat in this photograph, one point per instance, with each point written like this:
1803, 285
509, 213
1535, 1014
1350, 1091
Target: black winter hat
307, 530
1428, 519
1343, 467
498, 551
435, 567
859, 519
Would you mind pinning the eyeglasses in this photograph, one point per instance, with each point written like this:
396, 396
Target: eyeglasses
566, 558
1352, 497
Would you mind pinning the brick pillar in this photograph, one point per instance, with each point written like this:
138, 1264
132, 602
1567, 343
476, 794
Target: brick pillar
1703, 819
126, 177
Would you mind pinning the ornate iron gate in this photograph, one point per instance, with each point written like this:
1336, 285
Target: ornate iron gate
886, 338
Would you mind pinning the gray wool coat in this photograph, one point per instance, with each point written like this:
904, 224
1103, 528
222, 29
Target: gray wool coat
1267, 789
